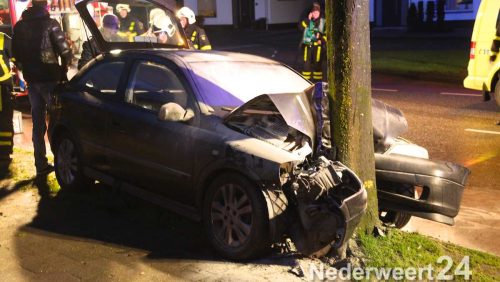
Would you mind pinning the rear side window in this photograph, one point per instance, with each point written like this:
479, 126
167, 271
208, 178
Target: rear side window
103, 78
153, 85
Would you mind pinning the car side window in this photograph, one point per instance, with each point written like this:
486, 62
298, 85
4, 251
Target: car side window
103, 78
153, 85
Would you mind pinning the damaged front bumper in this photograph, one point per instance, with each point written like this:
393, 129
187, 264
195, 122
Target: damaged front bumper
441, 183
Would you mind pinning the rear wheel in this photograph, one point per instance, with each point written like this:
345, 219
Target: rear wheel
398, 219
236, 218
497, 93
68, 164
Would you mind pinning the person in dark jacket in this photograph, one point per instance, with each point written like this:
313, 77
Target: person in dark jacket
109, 30
6, 107
195, 34
313, 39
37, 44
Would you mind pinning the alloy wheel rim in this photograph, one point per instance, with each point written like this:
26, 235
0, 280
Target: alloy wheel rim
231, 214
67, 161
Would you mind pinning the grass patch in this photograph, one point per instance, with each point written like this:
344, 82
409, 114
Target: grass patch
401, 249
22, 170
449, 65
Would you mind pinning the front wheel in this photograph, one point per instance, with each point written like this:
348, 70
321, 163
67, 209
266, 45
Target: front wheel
68, 164
497, 93
236, 218
398, 219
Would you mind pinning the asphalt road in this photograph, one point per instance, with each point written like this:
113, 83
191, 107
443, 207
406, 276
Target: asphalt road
455, 125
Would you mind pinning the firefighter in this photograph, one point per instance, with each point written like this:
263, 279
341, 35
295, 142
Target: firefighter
130, 26
312, 42
6, 108
195, 34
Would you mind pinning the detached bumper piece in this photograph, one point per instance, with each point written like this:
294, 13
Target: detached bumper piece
330, 202
441, 186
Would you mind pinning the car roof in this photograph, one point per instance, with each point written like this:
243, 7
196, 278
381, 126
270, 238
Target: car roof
196, 56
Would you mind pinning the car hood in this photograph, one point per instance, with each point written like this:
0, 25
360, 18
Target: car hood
388, 123
294, 108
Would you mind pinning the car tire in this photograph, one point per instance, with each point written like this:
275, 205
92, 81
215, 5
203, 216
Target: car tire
497, 93
68, 164
398, 219
236, 218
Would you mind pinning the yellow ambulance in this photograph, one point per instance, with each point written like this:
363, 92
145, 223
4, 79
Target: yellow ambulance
483, 73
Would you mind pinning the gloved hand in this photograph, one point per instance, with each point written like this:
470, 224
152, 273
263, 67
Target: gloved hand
493, 58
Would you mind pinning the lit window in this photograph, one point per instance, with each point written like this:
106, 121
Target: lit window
459, 5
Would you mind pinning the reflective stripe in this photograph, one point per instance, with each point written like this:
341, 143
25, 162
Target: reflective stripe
206, 47
5, 143
196, 46
304, 24
3, 66
305, 54
318, 54
497, 38
5, 134
193, 36
131, 27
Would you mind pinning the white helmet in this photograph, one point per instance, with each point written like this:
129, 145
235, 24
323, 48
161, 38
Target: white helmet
156, 13
185, 12
165, 24
123, 7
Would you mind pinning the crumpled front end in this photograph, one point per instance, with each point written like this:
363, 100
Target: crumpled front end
329, 199
319, 202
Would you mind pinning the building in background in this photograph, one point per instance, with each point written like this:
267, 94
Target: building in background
258, 13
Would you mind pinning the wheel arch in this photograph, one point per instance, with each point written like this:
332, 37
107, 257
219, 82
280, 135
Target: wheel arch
57, 132
493, 77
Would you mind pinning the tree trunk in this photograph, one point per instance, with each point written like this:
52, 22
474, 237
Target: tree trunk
349, 77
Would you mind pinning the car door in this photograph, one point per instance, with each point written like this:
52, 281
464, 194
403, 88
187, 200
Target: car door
152, 153
87, 111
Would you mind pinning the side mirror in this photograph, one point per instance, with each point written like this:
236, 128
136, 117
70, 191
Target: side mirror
174, 112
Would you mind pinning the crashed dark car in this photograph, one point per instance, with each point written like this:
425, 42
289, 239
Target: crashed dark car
212, 136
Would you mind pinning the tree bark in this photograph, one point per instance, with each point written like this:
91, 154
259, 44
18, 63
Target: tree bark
349, 78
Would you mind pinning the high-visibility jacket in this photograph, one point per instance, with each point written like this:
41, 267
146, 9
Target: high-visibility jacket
198, 37
311, 30
6, 110
5, 76
5, 55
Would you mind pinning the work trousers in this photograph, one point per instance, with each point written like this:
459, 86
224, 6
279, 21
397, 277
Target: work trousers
39, 95
6, 125
313, 60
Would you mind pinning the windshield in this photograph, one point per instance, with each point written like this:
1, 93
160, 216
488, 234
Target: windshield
135, 21
231, 84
